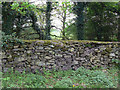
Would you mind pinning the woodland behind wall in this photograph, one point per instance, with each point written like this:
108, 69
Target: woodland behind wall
59, 54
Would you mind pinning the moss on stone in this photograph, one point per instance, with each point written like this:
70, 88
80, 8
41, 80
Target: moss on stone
103, 52
10, 60
72, 41
64, 49
88, 45
108, 49
47, 42
60, 44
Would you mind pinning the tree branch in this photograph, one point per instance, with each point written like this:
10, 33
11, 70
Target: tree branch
56, 27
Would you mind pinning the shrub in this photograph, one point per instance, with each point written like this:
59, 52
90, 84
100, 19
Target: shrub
82, 71
116, 62
96, 77
8, 41
33, 80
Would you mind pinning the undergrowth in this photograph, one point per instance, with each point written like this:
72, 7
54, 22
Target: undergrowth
81, 78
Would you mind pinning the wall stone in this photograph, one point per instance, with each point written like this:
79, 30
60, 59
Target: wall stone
64, 55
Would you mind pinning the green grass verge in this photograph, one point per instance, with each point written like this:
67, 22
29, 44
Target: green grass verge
81, 78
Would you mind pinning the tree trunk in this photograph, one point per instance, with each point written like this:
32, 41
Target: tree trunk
80, 20
48, 21
35, 26
118, 37
7, 18
63, 28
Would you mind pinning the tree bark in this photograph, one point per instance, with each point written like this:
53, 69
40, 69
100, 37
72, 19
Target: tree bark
7, 18
79, 8
35, 26
63, 28
118, 37
48, 21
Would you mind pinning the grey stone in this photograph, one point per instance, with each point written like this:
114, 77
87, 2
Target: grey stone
82, 59
20, 58
83, 55
16, 46
96, 49
67, 56
32, 63
51, 52
78, 54
3, 60
117, 56
40, 63
19, 69
1, 53
105, 56
52, 46
96, 61
63, 62
101, 58
86, 53
48, 57
71, 49
40, 47
27, 69
52, 61
10, 56
4, 56
116, 52
39, 51
58, 55
29, 51
47, 48
75, 62
35, 67
21, 64
18, 49
92, 59
81, 51
49, 63
78, 58
34, 57
5, 69
112, 55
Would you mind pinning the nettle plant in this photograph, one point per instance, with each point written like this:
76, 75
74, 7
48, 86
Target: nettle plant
8, 41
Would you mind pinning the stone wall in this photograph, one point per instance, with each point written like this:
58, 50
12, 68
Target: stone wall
34, 55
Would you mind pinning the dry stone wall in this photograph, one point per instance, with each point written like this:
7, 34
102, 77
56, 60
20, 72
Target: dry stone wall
64, 55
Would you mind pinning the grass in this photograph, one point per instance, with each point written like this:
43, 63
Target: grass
81, 78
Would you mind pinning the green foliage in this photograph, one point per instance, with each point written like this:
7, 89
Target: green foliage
101, 23
21, 7
66, 79
64, 11
71, 32
8, 41
95, 77
116, 62
64, 83
32, 79
100, 19
23, 80
28, 34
